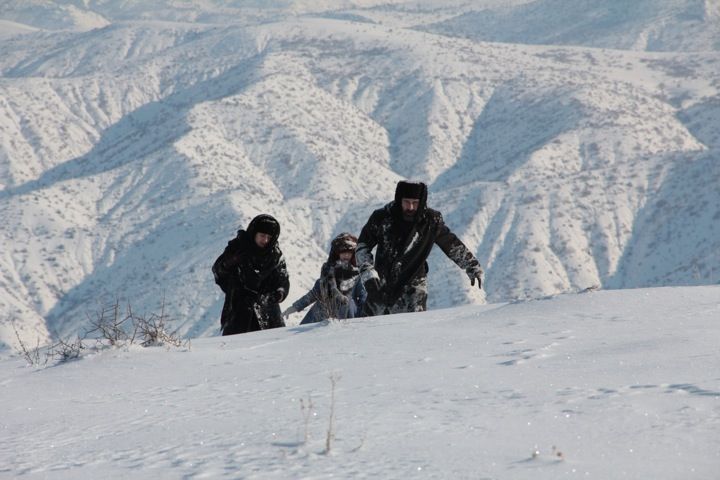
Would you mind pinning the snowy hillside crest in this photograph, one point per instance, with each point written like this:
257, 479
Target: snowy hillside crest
608, 384
137, 139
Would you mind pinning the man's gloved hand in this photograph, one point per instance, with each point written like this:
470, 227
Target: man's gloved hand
372, 287
375, 296
475, 273
288, 311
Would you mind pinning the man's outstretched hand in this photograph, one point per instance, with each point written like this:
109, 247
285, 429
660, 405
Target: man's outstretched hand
475, 274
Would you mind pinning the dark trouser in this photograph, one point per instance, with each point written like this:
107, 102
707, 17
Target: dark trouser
246, 315
412, 298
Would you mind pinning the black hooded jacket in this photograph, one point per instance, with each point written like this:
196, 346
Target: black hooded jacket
255, 280
403, 246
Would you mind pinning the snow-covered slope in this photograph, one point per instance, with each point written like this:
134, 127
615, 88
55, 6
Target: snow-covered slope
610, 384
130, 153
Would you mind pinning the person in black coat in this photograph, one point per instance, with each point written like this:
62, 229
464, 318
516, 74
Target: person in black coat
253, 275
404, 232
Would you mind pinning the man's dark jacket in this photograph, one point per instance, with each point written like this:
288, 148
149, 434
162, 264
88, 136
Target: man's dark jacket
255, 280
403, 247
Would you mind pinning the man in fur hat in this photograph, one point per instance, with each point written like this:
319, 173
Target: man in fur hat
253, 275
404, 232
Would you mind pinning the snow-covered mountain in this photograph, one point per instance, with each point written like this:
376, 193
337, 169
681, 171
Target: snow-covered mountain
136, 137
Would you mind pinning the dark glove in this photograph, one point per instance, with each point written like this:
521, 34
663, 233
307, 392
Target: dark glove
371, 282
372, 287
273, 297
475, 273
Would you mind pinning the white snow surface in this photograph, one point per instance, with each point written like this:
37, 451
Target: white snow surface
607, 384
569, 144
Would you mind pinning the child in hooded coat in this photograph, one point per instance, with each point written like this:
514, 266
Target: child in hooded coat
338, 293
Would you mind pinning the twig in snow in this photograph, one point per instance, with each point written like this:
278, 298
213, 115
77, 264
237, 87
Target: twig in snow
334, 378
